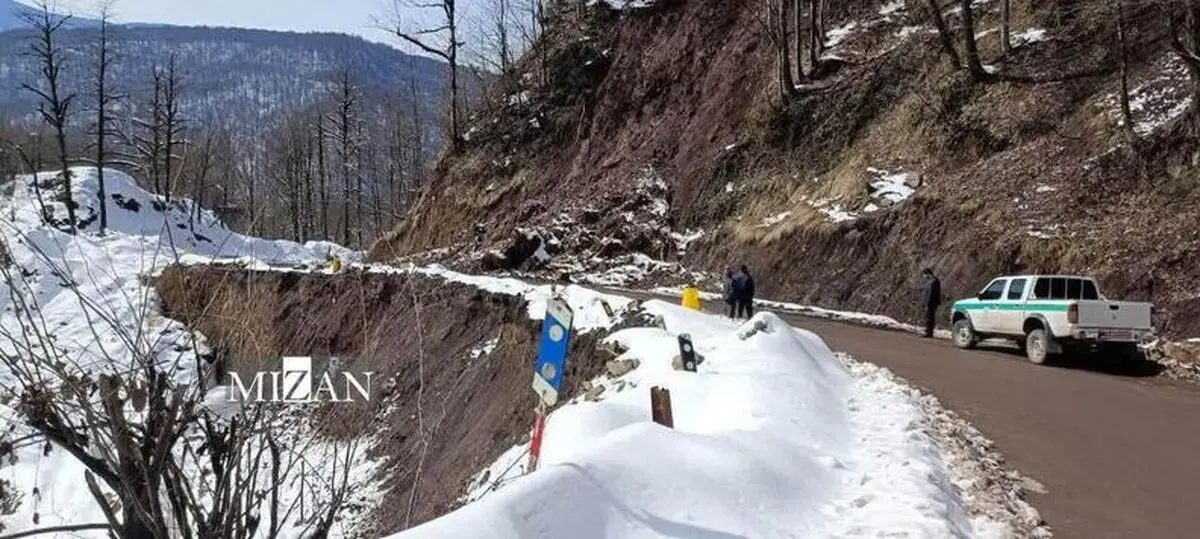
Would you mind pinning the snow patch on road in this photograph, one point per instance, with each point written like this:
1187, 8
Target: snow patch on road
995, 494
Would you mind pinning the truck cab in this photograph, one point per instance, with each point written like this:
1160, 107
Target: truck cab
1049, 315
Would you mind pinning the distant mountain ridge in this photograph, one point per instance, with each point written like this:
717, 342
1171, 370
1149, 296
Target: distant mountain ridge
12, 16
242, 77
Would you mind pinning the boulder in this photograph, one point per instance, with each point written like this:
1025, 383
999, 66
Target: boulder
620, 367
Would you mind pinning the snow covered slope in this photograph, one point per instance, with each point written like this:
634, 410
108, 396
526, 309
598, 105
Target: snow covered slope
87, 296
773, 437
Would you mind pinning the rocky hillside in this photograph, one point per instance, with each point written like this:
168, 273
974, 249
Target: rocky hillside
656, 137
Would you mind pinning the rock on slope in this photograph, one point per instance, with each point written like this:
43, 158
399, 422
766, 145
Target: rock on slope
888, 160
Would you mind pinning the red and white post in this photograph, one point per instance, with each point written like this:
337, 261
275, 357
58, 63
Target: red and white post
535, 442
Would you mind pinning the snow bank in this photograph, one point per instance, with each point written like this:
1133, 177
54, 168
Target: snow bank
865, 319
57, 273
773, 436
588, 305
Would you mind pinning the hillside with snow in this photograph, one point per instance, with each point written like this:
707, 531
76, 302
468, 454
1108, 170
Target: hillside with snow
773, 435
78, 305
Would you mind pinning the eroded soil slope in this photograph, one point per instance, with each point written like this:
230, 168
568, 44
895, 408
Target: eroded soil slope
659, 135
448, 356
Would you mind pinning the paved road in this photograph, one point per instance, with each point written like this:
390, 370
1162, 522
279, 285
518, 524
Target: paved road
1118, 453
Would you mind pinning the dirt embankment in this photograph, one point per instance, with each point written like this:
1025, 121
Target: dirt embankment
420, 335
1028, 170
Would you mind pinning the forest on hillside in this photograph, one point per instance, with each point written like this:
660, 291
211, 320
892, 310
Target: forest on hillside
297, 136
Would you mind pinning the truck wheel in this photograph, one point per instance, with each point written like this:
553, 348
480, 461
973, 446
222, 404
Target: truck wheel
1036, 346
964, 334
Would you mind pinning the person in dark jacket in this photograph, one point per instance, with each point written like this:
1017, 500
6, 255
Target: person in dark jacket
743, 292
727, 294
931, 299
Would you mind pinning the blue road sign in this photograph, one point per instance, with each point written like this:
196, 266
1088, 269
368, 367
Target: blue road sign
552, 350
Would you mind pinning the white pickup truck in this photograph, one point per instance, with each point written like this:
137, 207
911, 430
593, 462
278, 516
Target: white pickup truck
1048, 315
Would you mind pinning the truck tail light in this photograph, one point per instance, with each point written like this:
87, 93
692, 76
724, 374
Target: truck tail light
1073, 313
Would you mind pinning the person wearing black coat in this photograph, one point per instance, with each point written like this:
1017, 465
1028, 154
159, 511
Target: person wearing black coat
727, 294
743, 292
931, 299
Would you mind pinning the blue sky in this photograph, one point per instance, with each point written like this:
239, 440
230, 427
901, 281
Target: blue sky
347, 16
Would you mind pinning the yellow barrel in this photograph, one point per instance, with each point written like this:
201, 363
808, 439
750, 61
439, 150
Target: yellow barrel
691, 298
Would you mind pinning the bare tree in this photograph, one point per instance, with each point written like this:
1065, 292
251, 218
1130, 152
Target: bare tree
1005, 39
157, 139
538, 22
1123, 60
144, 134
943, 30
798, 16
161, 460
421, 39
173, 125
773, 20
494, 26
55, 101
104, 101
345, 121
816, 32
203, 165
287, 162
322, 192
974, 65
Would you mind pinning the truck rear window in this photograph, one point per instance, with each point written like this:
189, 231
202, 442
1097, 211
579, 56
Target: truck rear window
1065, 288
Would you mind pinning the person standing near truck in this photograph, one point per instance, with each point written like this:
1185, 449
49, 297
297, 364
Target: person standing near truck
743, 292
727, 294
931, 299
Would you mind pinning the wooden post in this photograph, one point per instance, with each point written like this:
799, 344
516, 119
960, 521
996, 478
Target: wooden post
660, 406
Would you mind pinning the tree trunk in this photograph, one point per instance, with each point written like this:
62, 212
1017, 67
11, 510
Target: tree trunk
306, 231
798, 23
454, 136
1005, 41
816, 34
944, 33
974, 65
502, 30
358, 193
785, 57
321, 191
102, 120
1123, 58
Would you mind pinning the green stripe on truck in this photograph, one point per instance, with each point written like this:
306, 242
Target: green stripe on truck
997, 306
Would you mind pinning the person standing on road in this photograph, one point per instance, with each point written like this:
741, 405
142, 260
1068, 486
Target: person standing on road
931, 299
743, 292
727, 294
